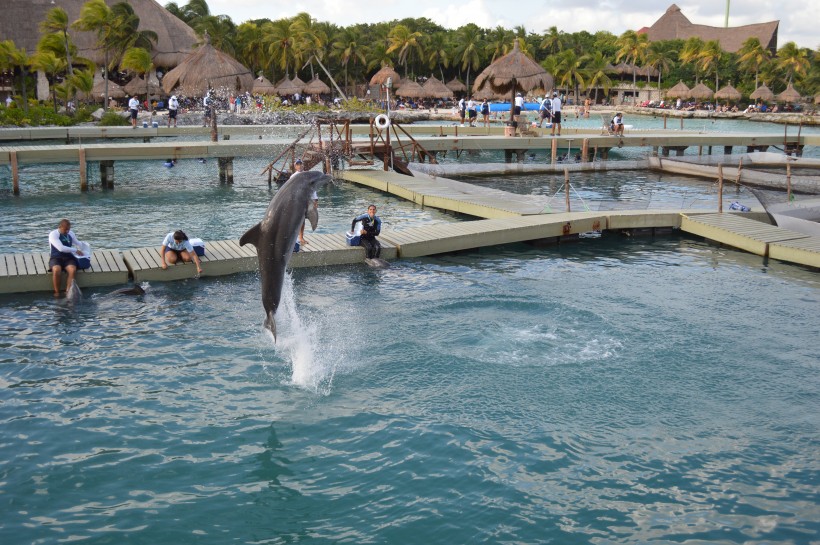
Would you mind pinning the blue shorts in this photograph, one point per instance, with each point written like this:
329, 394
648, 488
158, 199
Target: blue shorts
133, 114
63, 261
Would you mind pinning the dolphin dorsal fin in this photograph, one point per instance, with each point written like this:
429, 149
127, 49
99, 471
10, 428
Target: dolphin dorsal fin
251, 236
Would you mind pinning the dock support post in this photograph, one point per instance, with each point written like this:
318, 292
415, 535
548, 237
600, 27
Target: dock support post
665, 151
566, 187
679, 150
604, 154
585, 150
720, 188
507, 156
727, 150
664, 122
700, 151
788, 181
15, 173
681, 123
710, 150
225, 170
554, 151
654, 151
107, 174
83, 171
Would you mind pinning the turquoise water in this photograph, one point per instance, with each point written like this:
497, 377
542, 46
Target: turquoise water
610, 391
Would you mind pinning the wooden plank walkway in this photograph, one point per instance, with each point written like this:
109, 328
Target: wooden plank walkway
29, 272
755, 237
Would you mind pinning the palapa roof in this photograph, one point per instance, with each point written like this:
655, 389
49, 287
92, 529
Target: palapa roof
762, 93
789, 95
21, 23
411, 89
701, 92
674, 25
298, 83
137, 86
515, 71
287, 87
207, 68
436, 89
380, 77
263, 86
486, 92
729, 93
456, 86
679, 90
317, 87
98, 91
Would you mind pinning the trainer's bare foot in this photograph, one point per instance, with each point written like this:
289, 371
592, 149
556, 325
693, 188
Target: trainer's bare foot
302, 241
56, 294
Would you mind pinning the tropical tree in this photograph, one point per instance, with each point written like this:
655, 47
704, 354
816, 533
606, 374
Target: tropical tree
280, 41
710, 57
499, 43
82, 81
753, 56
250, 45
554, 40
138, 61
690, 54
311, 39
660, 56
19, 61
348, 45
56, 22
792, 60
597, 70
405, 42
47, 61
632, 48
570, 71
468, 49
438, 52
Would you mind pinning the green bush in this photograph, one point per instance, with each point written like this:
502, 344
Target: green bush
41, 115
113, 119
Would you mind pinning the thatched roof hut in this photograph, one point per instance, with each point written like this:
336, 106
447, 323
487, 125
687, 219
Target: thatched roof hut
679, 90
486, 92
789, 95
380, 77
98, 91
411, 89
762, 93
436, 89
21, 23
729, 93
701, 92
296, 82
208, 68
456, 86
316, 87
817, 99
515, 71
263, 86
287, 88
137, 86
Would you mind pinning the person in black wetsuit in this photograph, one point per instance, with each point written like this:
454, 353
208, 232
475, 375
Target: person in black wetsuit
371, 227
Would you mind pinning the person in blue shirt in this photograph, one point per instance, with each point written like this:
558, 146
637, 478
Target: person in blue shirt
371, 228
63, 257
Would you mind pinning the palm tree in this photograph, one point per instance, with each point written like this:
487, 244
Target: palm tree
56, 22
661, 58
570, 73
280, 40
499, 43
554, 40
11, 58
83, 81
405, 41
632, 49
710, 57
220, 30
753, 56
597, 71
468, 49
348, 46
438, 52
138, 60
311, 39
691, 53
47, 61
793, 60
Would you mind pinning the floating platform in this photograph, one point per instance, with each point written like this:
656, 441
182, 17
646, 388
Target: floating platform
29, 272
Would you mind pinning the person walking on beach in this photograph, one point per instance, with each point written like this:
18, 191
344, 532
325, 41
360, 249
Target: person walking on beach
65, 247
371, 228
556, 113
134, 108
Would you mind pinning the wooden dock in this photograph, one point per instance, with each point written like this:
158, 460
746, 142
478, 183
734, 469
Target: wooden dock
755, 237
27, 272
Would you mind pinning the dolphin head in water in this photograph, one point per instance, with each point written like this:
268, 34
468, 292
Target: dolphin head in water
275, 236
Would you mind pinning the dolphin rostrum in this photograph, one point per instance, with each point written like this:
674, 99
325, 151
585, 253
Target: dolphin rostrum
275, 236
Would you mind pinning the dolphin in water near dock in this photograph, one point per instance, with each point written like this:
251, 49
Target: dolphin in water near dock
134, 290
73, 294
275, 236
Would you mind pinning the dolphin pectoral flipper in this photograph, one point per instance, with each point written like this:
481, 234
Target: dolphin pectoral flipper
312, 215
252, 235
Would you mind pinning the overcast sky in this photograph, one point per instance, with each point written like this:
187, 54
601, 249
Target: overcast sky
798, 18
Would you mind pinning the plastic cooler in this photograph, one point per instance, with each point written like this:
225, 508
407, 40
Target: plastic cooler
352, 239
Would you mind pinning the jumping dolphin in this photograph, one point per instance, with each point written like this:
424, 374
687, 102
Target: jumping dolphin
275, 236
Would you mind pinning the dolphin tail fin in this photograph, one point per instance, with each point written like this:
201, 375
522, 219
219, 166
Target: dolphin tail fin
270, 323
251, 236
312, 215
